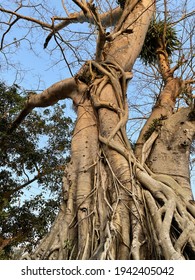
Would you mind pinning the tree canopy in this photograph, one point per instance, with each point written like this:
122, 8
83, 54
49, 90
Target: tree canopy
34, 155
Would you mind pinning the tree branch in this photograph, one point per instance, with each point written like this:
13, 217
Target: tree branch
67, 88
180, 62
107, 19
64, 57
183, 17
83, 6
101, 34
10, 26
129, 6
19, 16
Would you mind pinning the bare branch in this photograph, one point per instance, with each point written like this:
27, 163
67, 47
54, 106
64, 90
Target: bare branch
183, 17
102, 34
67, 88
107, 19
56, 40
165, 25
192, 81
65, 9
10, 26
83, 6
181, 61
129, 6
19, 16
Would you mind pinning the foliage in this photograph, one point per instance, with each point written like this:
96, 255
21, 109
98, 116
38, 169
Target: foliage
26, 160
154, 126
159, 33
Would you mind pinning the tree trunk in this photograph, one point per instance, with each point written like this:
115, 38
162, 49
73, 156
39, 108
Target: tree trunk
115, 206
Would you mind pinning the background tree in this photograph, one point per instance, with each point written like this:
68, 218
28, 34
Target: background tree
24, 162
120, 202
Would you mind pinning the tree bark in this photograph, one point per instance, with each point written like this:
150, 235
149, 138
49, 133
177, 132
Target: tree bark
114, 206
171, 151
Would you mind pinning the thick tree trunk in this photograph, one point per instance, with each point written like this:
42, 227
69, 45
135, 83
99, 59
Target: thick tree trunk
114, 206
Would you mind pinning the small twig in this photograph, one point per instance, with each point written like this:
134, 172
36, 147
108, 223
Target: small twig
69, 68
65, 9
192, 81
19, 16
183, 17
179, 63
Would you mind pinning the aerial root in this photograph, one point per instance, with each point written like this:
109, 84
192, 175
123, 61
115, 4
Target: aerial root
171, 220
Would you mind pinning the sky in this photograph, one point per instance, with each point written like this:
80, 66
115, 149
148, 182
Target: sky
36, 60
